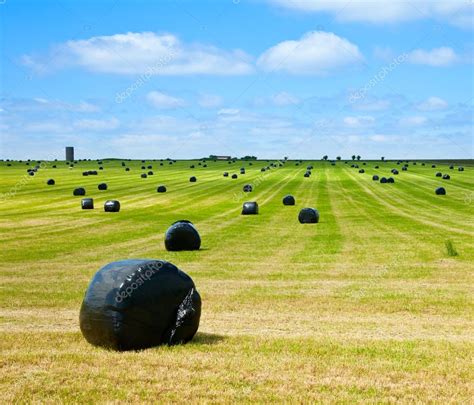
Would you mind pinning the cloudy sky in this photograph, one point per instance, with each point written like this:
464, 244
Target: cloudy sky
272, 78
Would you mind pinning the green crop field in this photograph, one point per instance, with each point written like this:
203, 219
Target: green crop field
372, 304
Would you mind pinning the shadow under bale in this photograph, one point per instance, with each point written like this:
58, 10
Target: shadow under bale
308, 216
182, 235
161, 189
440, 191
289, 200
112, 206
136, 304
250, 208
102, 186
51, 182
79, 191
87, 203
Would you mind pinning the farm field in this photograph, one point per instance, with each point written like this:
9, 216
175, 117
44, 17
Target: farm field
368, 305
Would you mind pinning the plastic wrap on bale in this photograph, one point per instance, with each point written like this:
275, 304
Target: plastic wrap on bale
140, 303
182, 235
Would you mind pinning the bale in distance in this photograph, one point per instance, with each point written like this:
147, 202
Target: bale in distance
390, 180
234, 176
150, 173
289, 200
136, 304
143, 176
161, 189
87, 203
250, 208
79, 191
440, 191
112, 206
102, 186
51, 182
226, 174
182, 235
361, 171
439, 174
247, 188
308, 216
375, 177
193, 179
460, 169
383, 180
446, 177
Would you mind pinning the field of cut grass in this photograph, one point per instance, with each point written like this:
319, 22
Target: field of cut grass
369, 305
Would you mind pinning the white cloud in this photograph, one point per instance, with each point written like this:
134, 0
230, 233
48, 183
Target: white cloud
317, 53
283, 99
457, 12
228, 111
43, 104
164, 101
414, 121
97, 125
359, 122
142, 53
432, 104
443, 56
210, 100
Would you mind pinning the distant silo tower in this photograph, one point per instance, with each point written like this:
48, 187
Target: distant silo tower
70, 153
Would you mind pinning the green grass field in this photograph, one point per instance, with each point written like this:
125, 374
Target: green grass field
366, 306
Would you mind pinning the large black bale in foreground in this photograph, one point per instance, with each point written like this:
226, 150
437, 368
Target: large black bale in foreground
250, 208
308, 216
140, 303
182, 235
289, 200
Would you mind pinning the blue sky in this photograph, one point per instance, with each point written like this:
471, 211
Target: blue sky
184, 79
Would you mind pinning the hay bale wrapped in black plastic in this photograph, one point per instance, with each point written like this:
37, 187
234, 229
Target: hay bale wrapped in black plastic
446, 177
161, 189
226, 174
193, 179
247, 188
308, 216
383, 180
87, 203
127, 169
440, 191
112, 206
307, 174
439, 174
460, 169
394, 171
102, 186
79, 191
250, 208
51, 182
234, 176
143, 176
182, 235
242, 171
140, 303
375, 177
289, 200
150, 173
361, 171
390, 180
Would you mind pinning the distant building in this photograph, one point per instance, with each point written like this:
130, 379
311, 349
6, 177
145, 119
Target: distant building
70, 153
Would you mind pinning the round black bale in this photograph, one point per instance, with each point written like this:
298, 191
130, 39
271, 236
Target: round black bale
143, 168
112, 206
250, 208
307, 174
439, 174
247, 188
404, 168
204, 166
51, 182
308, 216
182, 235
262, 169
446, 177
192, 179
234, 176
54, 166
102, 186
85, 173
150, 173
394, 171
361, 171
87, 203
101, 168
191, 167
383, 180
79, 191
226, 174
289, 200
9, 164
376, 167
451, 167
460, 169
375, 177
140, 303
390, 180
161, 189
242, 171
123, 164
433, 166
440, 191
423, 164
143, 176
149, 167
161, 164
93, 172
127, 169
